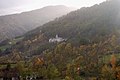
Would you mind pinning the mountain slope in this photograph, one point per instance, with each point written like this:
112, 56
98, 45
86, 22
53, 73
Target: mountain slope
98, 20
17, 24
85, 26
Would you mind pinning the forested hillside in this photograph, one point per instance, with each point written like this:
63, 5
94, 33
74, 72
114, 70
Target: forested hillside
86, 46
87, 23
81, 27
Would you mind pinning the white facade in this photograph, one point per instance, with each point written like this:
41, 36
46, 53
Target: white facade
56, 39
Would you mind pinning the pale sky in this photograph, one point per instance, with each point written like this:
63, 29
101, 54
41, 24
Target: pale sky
14, 6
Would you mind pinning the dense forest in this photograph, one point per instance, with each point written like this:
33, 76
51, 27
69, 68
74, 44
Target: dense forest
90, 51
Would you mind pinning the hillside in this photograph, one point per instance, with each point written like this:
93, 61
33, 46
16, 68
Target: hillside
98, 20
81, 27
84, 26
18, 24
86, 46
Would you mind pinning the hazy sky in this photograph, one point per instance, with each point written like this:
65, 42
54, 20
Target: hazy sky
13, 6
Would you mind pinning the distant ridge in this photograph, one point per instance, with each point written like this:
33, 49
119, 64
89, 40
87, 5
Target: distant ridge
18, 24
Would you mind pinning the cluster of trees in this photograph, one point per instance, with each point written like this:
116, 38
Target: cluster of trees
69, 62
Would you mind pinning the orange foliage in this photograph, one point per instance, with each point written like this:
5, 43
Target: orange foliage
113, 61
39, 61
